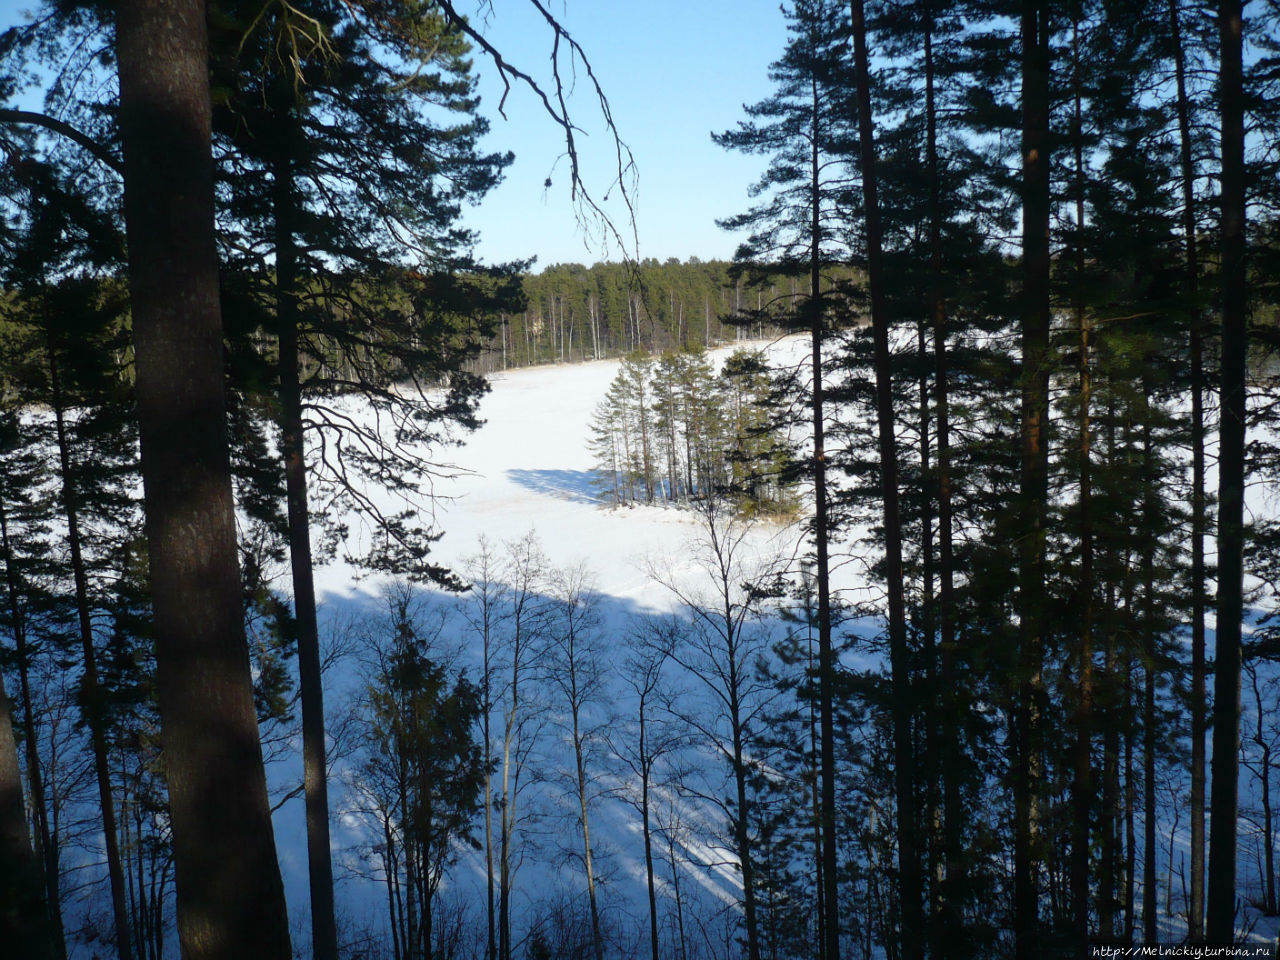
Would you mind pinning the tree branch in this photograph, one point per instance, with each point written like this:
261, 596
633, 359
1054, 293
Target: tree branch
98, 151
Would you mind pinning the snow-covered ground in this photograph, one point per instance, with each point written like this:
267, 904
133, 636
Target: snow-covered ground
528, 469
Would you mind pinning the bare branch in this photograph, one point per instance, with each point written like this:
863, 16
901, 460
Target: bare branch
99, 152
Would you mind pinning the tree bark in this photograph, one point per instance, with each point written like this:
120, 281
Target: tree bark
1197, 695
1151, 537
324, 932
1226, 688
92, 707
1082, 760
1035, 468
24, 920
46, 848
911, 920
829, 913
229, 907
952, 751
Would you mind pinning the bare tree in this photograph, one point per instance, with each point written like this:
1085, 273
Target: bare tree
639, 743
482, 614
523, 624
720, 593
575, 662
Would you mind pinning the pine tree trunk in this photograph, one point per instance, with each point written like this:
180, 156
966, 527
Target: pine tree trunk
46, 849
491, 943
1226, 688
1034, 471
951, 748
741, 820
911, 921
24, 920
1130, 806
93, 707
1149, 480
1082, 760
1197, 695
829, 912
324, 931
229, 907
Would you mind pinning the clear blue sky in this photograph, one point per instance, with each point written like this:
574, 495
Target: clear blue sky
674, 71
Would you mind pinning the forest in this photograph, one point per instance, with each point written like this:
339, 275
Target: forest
970, 649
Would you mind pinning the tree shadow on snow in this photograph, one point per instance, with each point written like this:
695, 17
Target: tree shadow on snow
577, 486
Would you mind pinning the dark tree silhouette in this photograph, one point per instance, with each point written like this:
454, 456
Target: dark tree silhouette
228, 906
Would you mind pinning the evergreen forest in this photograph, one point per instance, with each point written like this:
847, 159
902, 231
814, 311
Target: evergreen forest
968, 645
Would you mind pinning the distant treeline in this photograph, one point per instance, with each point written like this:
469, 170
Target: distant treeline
574, 313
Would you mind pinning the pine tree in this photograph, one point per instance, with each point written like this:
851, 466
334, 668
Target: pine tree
423, 769
217, 786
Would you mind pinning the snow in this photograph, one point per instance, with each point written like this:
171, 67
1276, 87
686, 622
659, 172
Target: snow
529, 469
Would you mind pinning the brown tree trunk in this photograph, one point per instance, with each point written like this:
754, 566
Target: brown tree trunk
324, 932
230, 907
1226, 687
911, 920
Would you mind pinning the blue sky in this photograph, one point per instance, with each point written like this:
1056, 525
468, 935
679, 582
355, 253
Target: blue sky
673, 72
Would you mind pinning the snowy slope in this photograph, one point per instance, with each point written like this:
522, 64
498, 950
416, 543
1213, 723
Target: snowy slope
529, 469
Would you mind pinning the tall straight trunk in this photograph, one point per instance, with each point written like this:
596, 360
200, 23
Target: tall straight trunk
229, 907
491, 943
510, 775
1268, 864
646, 767
911, 907
1110, 814
1226, 678
815, 785
1130, 805
324, 930
93, 707
596, 937
1082, 759
829, 914
24, 919
675, 889
1034, 483
929, 651
1197, 697
46, 845
1149, 909
951, 749
580, 771
742, 834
